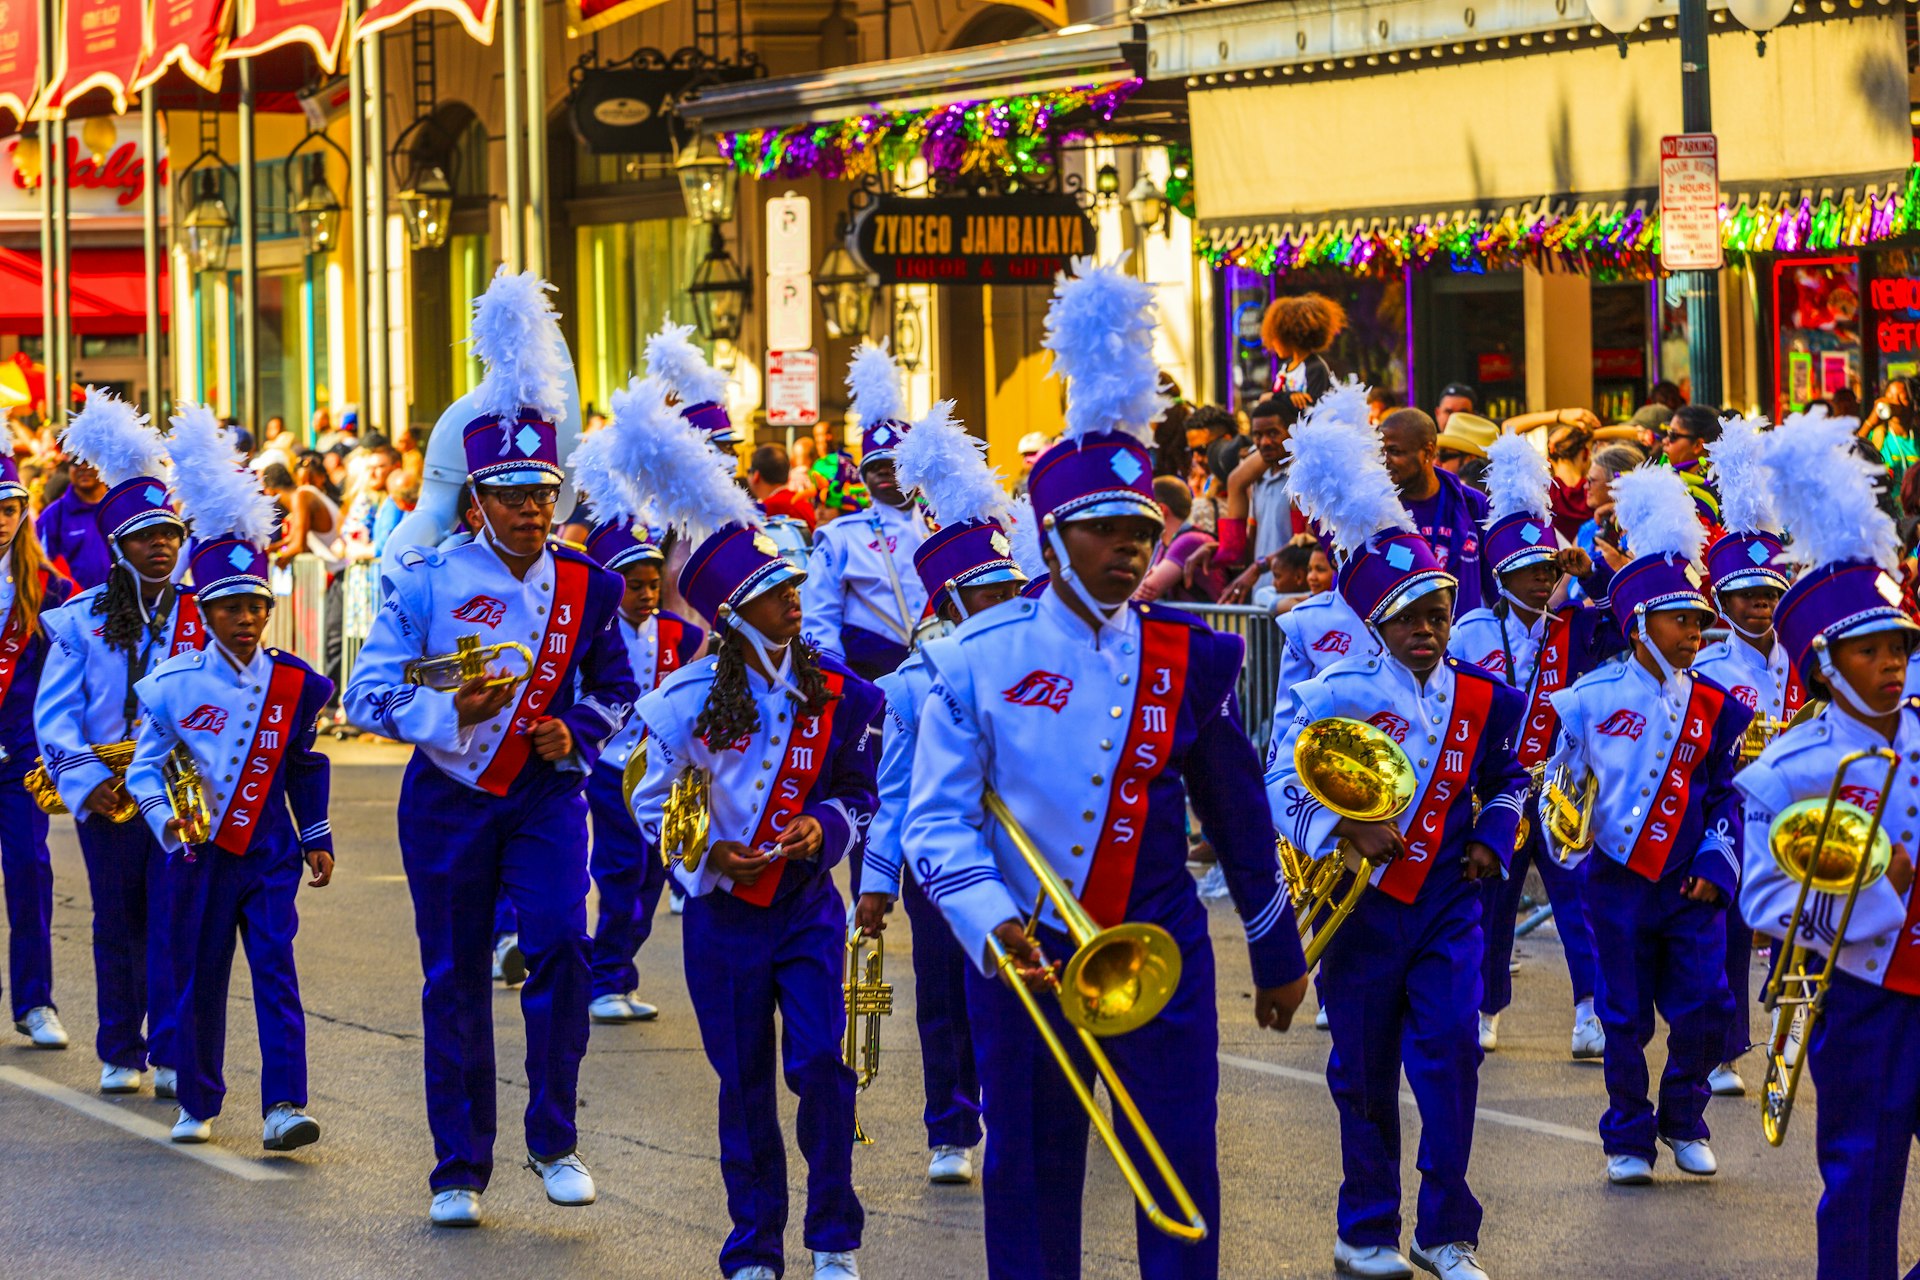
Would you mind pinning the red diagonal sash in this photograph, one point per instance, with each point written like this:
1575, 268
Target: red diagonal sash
550, 668
1472, 695
666, 656
188, 631
1903, 966
1669, 806
1149, 744
1795, 696
13, 643
1549, 674
270, 738
800, 762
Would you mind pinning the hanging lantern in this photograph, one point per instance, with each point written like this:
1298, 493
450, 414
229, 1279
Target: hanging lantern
708, 180
318, 209
208, 227
845, 289
426, 201
1622, 17
1760, 16
1148, 204
719, 292
909, 334
26, 160
99, 136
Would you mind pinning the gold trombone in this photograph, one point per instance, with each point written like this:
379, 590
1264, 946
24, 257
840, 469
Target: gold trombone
470, 660
187, 794
1830, 847
869, 999
1359, 772
115, 755
1116, 980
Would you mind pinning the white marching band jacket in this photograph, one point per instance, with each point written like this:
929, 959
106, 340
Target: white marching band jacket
906, 693
1316, 633
1764, 683
861, 575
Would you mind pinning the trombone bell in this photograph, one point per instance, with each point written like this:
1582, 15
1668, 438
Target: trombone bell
1354, 769
469, 661
1120, 979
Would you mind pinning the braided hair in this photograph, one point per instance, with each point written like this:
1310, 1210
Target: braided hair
730, 713
120, 604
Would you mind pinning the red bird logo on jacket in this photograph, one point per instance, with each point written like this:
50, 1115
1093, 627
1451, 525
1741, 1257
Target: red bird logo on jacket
1624, 724
1390, 724
1864, 796
1748, 695
1040, 689
484, 610
1495, 662
205, 718
1333, 642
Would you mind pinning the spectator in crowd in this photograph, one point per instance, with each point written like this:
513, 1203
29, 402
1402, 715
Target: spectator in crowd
767, 474
69, 528
1455, 397
1297, 330
1694, 430
312, 527
1446, 511
1170, 447
367, 494
1462, 447
1259, 517
1380, 403
1287, 585
1213, 434
1667, 395
1847, 405
1205, 487
1610, 460
1889, 427
320, 428
1035, 443
1181, 566
403, 495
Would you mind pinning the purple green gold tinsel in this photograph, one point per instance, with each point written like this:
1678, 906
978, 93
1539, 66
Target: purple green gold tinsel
1009, 136
1608, 240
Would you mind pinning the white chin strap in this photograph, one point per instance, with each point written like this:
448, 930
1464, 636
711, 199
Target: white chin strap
1066, 576
1669, 674
139, 597
776, 658
1755, 636
1525, 610
1844, 691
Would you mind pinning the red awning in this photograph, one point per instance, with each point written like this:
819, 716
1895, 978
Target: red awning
475, 15
108, 294
273, 24
97, 48
19, 59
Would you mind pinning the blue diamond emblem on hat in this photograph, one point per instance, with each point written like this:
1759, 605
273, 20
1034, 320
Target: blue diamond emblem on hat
881, 435
1126, 466
527, 441
1400, 557
1529, 533
1757, 552
240, 558
156, 495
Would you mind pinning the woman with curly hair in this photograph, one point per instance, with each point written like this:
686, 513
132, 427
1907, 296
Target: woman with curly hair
1297, 330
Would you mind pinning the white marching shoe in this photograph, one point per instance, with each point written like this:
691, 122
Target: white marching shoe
1371, 1262
950, 1165
119, 1079
457, 1208
610, 1009
166, 1082
677, 903
1320, 1019
835, 1266
42, 1026
567, 1180
288, 1127
642, 1011
1628, 1171
1489, 1032
1693, 1156
188, 1130
755, 1272
509, 963
1589, 1037
1450, 1261
1726, 1082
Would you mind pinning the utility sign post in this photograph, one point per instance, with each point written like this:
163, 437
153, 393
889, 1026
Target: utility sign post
1690, 202
793, 388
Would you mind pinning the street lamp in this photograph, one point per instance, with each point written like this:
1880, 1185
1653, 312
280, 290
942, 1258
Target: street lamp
1106, 182
719, 292
909, 333
708, 180
426, 201
208, 226
317, 210
845, 290
99, 136
1148, 204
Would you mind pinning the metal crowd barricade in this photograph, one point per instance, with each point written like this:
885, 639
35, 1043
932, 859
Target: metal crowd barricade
299, 620
1259, 681
360, 600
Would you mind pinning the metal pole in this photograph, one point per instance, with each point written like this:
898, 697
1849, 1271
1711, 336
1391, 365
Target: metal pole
376, 403
45, 135
150, 242
516, 131
356, 208
1703, 287
62, 273
535, 65
249, 406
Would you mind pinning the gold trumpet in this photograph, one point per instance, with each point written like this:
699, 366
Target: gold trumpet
869, 999
1359, 772
115, 755
1116, 980
686, 817
1831, 847
470, 660
1569, 820
187, 794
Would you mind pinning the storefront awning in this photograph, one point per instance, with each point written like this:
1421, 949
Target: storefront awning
96, 48
19, 59
272, 24
108, 293
189, 34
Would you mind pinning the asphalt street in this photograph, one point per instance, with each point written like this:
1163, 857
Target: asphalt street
90, 1188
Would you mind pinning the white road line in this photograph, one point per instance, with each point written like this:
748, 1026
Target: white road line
1508, 1118
141, 1127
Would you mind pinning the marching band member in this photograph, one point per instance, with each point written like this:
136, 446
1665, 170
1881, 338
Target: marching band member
493, 794
1849, 641
104, 640
967, 569
1536, 649
863, 598
245, 717
659, 643
1748, 578
1148, 693
1400, 981
775, 739
1661, 742
30, 588
680, 368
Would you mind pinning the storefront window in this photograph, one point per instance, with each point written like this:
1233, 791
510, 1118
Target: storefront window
631, 277
1372, 348
1622, 314
1477, 336
1895, 294
1816, 306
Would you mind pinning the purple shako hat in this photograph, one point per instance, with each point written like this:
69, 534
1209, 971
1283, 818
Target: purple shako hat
620, 544
1650, 584
1518, 540
10, 486
1036, 587
1106, 473
1832, 602
712, 418
732, 567
878, 440
228, 566
1741, 561
971, 553
1390, 571
133, 505
521, 450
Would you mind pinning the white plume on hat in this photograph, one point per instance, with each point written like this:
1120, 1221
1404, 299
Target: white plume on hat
1518, 479
523, 358
873, 385
1336, 473
1100, 329
1735, 459
693, 486
218, 494
949, 468
1655, 508
681, 368
115, 439
1824, 494
1023, 531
